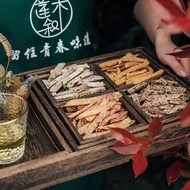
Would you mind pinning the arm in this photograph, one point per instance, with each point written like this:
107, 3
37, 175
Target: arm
149, 20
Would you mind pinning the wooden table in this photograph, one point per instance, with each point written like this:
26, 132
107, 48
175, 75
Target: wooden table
56, 153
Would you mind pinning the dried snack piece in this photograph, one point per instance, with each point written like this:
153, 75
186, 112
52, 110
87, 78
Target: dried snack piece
101, 111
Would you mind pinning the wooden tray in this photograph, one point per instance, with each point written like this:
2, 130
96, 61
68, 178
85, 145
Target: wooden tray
54, 149
63, 124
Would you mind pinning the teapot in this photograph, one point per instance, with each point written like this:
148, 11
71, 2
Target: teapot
9, 82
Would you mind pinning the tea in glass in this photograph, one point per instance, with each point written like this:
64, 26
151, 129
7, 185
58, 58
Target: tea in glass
13, 124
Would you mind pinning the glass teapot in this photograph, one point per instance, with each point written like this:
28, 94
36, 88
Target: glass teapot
9, 82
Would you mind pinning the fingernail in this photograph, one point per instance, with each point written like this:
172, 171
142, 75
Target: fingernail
182, 73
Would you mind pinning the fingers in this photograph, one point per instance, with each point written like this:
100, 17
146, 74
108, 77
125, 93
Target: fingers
177, 67
185, 63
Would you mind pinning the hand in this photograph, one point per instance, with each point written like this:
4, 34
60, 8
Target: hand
180, 66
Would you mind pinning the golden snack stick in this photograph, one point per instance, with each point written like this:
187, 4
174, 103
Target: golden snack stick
135, 73
125, 57
108, 63
149, 68
132, 79
120, 81
110, 75
130, 64
132, 69
149, 76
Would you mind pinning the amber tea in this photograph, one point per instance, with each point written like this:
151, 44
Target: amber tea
13, 122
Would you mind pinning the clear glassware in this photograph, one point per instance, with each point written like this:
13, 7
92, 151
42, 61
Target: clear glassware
13, 124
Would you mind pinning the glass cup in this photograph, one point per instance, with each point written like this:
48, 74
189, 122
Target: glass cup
13, 123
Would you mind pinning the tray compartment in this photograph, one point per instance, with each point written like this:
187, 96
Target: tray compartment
82, 141
161, 101
141, 54
56, 98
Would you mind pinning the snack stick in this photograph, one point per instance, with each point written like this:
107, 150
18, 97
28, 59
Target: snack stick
149, 76
92, 126
96, 110
110, 70
90, 118
130, 64
114, 75
135, 73
108, 63
81, 110
118, 71
82, 129
140, 75
122, 68
110, 75
132, 69
99, 118
121, 124
82, 101
131, 79
117, 65
149, 68
133, 58
120, 81
126, 56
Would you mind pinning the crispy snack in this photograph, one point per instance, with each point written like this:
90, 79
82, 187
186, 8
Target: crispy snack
149, 76
109, 63
135, 73
127, 69
105, 111
133, 69
132, 79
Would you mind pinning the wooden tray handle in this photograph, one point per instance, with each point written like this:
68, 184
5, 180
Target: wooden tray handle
8, 49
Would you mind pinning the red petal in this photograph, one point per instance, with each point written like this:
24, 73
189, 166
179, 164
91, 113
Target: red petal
173, 172
126, 149
185, 116
123, 136
167, 9
155, 127
178, 25
181, 54
143, 140
183, 6
186, 186
140, 163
